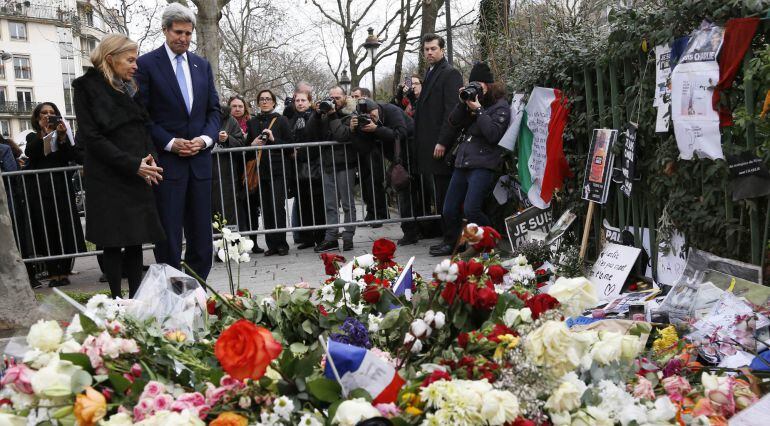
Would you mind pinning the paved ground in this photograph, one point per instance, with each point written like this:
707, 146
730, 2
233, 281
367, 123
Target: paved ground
263, 273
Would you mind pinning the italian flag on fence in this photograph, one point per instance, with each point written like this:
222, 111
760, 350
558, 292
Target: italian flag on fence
542, 164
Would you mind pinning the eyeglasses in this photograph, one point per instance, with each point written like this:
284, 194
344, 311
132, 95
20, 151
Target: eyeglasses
265, 99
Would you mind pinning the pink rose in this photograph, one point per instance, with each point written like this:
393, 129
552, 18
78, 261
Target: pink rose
643, 389
143, 408
128, 346
163, 402
231, 383
196, 399
179, 406
388, 410
136, 370
153, 389
703, 408
677, 387
19, 375
213, 395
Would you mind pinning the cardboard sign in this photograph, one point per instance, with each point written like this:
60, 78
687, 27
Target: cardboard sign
628, 165
531, 219
596, 184
611, 269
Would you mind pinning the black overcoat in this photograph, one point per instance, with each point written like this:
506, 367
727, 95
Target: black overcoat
439, 95
120, 205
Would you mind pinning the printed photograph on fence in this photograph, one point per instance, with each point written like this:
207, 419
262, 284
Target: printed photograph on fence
696, 94
599, 167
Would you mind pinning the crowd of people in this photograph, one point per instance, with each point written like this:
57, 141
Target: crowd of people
148, 127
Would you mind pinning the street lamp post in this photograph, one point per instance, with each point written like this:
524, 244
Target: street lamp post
345, 81
371, 45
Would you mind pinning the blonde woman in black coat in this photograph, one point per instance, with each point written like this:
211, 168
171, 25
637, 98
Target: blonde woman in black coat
120, 168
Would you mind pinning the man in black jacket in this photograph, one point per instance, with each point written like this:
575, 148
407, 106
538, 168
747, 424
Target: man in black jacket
438, 97
372, 141
337, 165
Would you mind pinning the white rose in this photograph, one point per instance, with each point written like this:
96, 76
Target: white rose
510, 316
59, 378
352, 411
525, 314
358, 273
591, 416
45, 335
664, 410
365, 261
561, 419
69, 346
630, 347
439, 320
120, 419
553, 346
8, 419
608, 348
567, 396
419, 328
38, 359
632, 413
574, 294
499, 407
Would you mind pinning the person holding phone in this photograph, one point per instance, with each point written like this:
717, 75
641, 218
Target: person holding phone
56, 228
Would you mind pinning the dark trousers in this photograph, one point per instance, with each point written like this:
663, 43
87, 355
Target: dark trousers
273, 192
429, 194
117, 263
310, 202
184, 205
372, 171
465, 198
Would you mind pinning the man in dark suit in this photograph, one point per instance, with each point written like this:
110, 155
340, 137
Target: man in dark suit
177, 87
433, 136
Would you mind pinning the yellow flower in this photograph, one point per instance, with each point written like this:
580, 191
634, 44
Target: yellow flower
90, 408
175, 336
667, 340
414, 411
230, 419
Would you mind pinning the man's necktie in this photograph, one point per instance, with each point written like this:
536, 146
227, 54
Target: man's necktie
182, 82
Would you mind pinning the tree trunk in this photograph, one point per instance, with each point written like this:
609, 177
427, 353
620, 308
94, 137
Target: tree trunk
209, 45
430, 10
17, 300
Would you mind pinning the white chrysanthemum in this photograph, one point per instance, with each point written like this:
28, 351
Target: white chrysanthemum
308, 419
283, 406
374, 323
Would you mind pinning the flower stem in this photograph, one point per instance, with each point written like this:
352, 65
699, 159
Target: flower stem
208, 288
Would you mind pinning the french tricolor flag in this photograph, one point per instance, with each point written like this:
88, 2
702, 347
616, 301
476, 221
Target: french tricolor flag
404, 282
357, 368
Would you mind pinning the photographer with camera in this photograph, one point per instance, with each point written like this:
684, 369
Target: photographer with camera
375, 128
271, 170
482, 117
52, 210
407, 94
330, 121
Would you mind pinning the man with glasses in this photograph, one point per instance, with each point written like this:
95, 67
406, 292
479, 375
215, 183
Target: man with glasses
337, 166
177, 87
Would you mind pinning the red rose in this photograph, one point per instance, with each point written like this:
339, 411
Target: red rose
448, 293
435, 376
486, 298
489, 240
462, 270
331, 264
462, 340
322, 310
383, 250
369, 278
496, 273
211, 306
541, 303
475, 268
245, 350
520, 421
468, 293
500, 330
371, 294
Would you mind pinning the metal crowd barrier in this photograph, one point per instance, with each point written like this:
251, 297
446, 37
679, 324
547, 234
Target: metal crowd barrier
48, 205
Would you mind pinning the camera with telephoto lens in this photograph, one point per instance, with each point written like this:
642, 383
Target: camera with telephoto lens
326, 105
471, 92
362, 113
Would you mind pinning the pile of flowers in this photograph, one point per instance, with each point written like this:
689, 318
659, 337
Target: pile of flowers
478, 342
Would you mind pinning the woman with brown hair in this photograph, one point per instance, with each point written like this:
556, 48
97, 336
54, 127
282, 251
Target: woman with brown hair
120, 167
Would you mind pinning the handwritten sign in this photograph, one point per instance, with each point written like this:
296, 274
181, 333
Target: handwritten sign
611, 269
